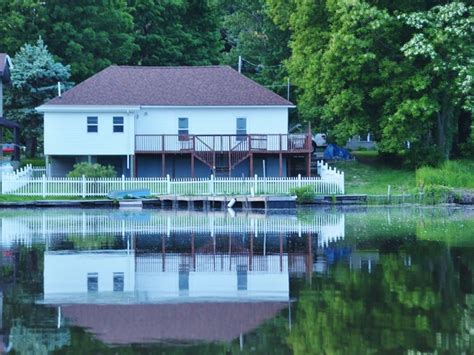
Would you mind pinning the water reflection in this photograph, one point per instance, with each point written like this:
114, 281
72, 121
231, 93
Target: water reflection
319, 280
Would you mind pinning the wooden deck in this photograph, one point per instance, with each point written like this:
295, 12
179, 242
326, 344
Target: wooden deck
225, 152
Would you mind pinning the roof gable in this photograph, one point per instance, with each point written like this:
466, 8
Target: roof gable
169, 86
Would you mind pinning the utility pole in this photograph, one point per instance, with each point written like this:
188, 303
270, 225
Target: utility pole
240, 64
288, 89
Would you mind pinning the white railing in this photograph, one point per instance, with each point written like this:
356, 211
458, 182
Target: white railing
24, 183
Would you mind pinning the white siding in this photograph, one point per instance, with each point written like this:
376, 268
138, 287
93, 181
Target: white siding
66, 134
213, 120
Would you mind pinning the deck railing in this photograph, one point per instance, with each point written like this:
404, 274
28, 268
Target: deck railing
24, 183
273, 143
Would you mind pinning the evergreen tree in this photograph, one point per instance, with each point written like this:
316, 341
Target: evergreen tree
34, 76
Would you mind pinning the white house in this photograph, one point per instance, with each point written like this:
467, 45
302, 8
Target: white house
181, 121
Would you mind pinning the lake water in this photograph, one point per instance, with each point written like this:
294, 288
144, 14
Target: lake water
363, 280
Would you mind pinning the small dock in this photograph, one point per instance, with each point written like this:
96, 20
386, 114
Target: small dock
206, 203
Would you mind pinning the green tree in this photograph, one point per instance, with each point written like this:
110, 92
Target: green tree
21, 22
89, 34
360, 66
442, 48
34, 76
251, 33
176, 32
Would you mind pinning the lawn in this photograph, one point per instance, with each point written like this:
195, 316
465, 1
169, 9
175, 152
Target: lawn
369, 175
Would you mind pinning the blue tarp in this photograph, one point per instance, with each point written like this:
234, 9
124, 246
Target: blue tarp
334, 152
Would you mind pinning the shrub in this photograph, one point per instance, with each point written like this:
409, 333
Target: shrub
303, 194
92, 171
455, 173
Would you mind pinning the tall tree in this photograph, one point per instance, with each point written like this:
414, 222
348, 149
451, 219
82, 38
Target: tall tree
34, 76
359, 68
20, 22
176, 32
251, 33
89, 34
442, 49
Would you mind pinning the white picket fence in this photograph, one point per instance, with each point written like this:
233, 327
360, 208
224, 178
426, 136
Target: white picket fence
25, 182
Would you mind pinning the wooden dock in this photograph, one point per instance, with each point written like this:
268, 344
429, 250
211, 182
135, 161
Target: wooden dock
220, 202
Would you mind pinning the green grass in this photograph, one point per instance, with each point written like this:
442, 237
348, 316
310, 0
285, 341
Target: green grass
369, 175
454, 174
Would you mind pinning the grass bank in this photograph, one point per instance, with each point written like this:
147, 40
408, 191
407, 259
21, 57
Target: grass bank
370, 175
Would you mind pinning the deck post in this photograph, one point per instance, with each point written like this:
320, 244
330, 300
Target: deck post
280, 158
163, 164
308, 165
251, 165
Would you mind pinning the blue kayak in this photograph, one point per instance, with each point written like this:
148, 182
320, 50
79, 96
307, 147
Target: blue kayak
129, 194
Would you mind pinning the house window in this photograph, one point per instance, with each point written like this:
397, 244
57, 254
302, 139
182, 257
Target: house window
183, 128
92, 124
118, 124
241, 128
118, 281
183, 280
92, 282
241, 277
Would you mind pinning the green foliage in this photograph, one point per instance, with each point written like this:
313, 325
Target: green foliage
34, 80
458, 174
304, 194
176, 32
90, 35
33, 162
92, 170
251, 33
400, 70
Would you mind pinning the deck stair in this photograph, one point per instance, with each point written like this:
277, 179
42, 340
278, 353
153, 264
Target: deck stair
221, 155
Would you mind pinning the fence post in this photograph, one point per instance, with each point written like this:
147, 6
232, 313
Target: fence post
83, 186
342, 183
168, 184
123, 182
211, 185
44, 186
299, 180
255, 183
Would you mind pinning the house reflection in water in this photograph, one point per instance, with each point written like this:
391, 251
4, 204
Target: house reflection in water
182, 277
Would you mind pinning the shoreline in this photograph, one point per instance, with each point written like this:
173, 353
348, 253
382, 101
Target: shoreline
244, 202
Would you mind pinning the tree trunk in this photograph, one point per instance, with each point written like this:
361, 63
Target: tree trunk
31, 145
445, 128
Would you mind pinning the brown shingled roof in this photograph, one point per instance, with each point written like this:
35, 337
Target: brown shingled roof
188, 322
169, 86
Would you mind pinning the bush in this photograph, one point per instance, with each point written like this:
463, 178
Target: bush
303, 194
455, 173
33, 161
92, 171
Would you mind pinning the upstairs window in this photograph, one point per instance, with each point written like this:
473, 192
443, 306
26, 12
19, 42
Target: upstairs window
183, 128
118, 124
241, 128
92, 124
